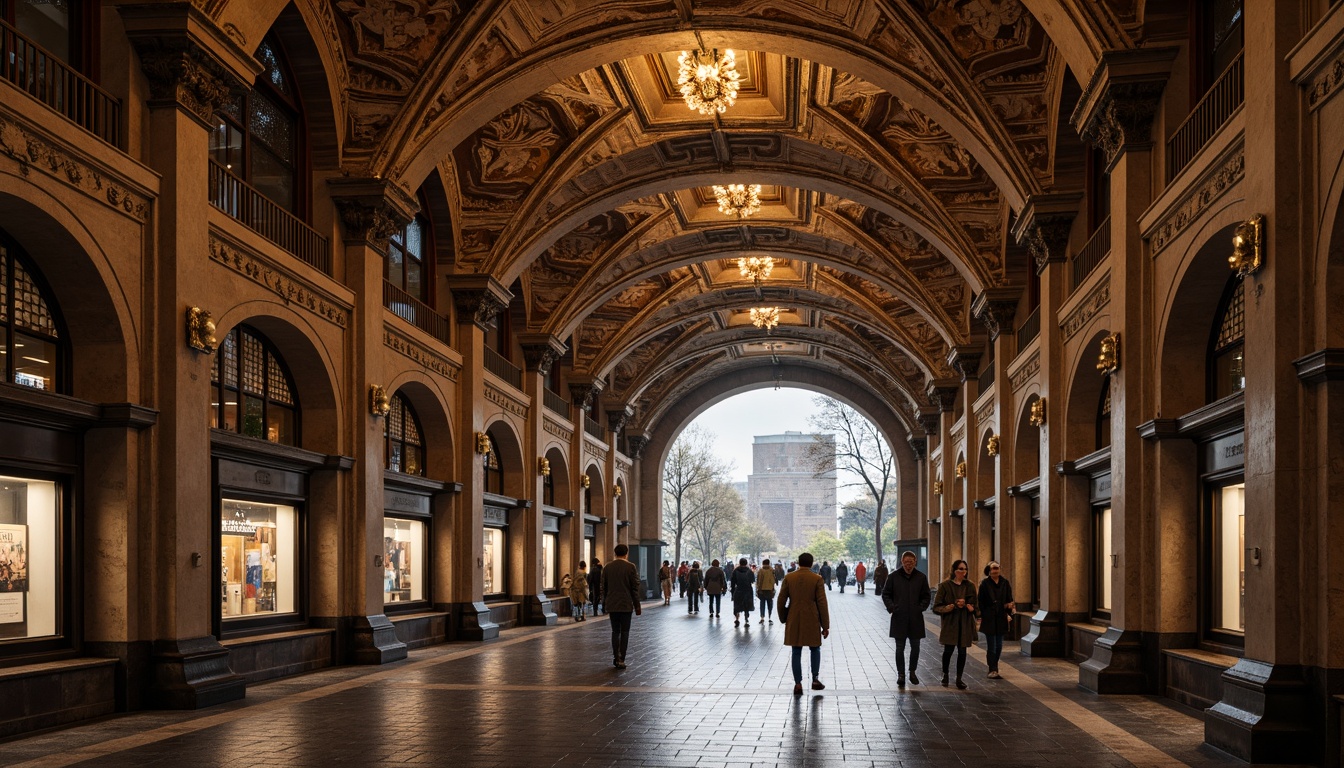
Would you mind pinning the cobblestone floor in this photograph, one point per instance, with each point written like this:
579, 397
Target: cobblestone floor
698, 692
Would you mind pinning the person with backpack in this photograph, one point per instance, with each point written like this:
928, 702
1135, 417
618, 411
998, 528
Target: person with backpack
578, 591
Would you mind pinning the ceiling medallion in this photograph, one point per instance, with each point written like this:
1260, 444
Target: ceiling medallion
755, 268
708, 83
740, 200
765, 317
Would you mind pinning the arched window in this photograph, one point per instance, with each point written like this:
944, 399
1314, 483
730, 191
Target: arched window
1104, 414
1227, 367
405, 450
257, 134
494, 470
252, 391
406, 267
32, 345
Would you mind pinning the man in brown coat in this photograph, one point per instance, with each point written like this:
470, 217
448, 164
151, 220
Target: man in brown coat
802, 599
620, 588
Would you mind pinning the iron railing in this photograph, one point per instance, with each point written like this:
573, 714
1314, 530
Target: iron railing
1029, 330
52, 82
498, 365
1207, 117
415, 312
1092, 254
238, 199
593, 427
986, 377
555, 402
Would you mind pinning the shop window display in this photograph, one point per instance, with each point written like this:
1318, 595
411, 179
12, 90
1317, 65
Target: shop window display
258, 558
493, 561
1101, 560
30, 535
548, 560
1229, 563
403, 560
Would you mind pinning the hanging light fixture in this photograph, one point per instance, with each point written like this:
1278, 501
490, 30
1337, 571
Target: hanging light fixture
707, 82
755, 268
740, 200
765, 317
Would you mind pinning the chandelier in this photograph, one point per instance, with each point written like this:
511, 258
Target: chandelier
755, 268
765, 317
740, 200
708, 84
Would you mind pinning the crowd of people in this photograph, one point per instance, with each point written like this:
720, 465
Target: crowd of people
797, 596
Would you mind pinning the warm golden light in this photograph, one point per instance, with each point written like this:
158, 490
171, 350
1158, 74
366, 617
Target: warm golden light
708, 84
765, 317
740, 200
755, 268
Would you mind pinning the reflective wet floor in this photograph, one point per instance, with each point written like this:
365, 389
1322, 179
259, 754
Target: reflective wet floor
697, 692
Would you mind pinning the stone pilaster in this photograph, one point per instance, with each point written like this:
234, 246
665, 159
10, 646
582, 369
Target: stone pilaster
996, 308
584, 391
1118, 105
617, 418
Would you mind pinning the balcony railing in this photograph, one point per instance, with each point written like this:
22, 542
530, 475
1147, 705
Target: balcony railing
1092, 254
496, 364
1207, 117
54, 83
986, 377
1029, 330
233, 196
415, 312
555, 402
594, 428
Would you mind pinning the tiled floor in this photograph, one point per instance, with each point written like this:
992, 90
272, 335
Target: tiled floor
698, 692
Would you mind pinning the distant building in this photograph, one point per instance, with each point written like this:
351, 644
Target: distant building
784, 490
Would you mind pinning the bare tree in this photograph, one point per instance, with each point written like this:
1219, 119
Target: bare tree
691, 464
718, 510
859, 450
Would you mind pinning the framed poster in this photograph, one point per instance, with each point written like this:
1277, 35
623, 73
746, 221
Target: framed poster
13, 572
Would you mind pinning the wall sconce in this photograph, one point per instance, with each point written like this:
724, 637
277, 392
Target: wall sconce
1108, 361
586, 481
200, 330
379, 402
961, 469
1248, 246
544, 466
616, 491
483, 443
937, 487
1037, 413
992, 445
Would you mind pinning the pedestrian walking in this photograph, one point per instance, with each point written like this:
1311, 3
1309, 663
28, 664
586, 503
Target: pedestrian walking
716, 583
860, 576
826, 573
807, 619
595, 586
578, 592
906, 595
779, 571
995, 600
841, 573
665, 581
765, 591
695, 584
956, 604
740, 585
682, 571
620, 584
880, 574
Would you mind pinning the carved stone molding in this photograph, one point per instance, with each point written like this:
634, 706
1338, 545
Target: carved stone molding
931, 420
1086, 309
636, 445
1117, 108
478, 299
421, 356
1326, 83
183, 74
17, 141
1199, 199
540, 351
1044, 225
996, 308
371, 209
1026, 373
558, 430
584, 392
617, 418
942, 394
965, 360
509, 404
920, 447
985, 413
284, 284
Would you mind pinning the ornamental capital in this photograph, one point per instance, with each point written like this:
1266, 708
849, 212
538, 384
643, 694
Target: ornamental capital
931, 420
920, 447
372, 209
1044, 224
942, 394
617, 418
636, 445
584, 391
1116, 110
996, 308
540, 351
965, 360
478, 299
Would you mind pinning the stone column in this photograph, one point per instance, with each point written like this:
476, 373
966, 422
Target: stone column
477, 299
996, 309
583, 390
932, 522
1117, 114
371, 210
617, 418
942, 394
540, 351
191, 68
965, 360
1043, 227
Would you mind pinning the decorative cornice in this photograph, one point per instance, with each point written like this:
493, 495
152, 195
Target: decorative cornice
421, 356
942, 394
1098, 297
1116, 110
290, 289
371, 209
1321, 366
1044, 226
540, 351
617, 418
478, 299
509, 404
965, 360
1198, 200
995, 308
19, 142
1026, 373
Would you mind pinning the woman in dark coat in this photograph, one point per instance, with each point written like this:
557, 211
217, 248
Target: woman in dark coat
956, 604
996, 612
716, 583
906, 595
880, 574
744, 598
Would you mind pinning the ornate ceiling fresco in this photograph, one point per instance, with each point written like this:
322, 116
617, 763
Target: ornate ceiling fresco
895, 142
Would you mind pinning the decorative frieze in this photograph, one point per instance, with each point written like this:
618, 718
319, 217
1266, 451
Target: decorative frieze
509, 404
1326, 83
22, 145
1026, 373
285, 285
557, 430
1198, 200
421, 356
985, 413
1099, 297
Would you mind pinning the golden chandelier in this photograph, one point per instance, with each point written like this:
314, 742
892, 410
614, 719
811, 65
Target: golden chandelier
765, 317
708, 84
740, 200
755, 268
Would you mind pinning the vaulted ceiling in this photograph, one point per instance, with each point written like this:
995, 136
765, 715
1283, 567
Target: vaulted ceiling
894, 140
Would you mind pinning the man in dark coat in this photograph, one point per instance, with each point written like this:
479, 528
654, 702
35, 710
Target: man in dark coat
595, 586
906, 595
826, 572
841, 573
620, 586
